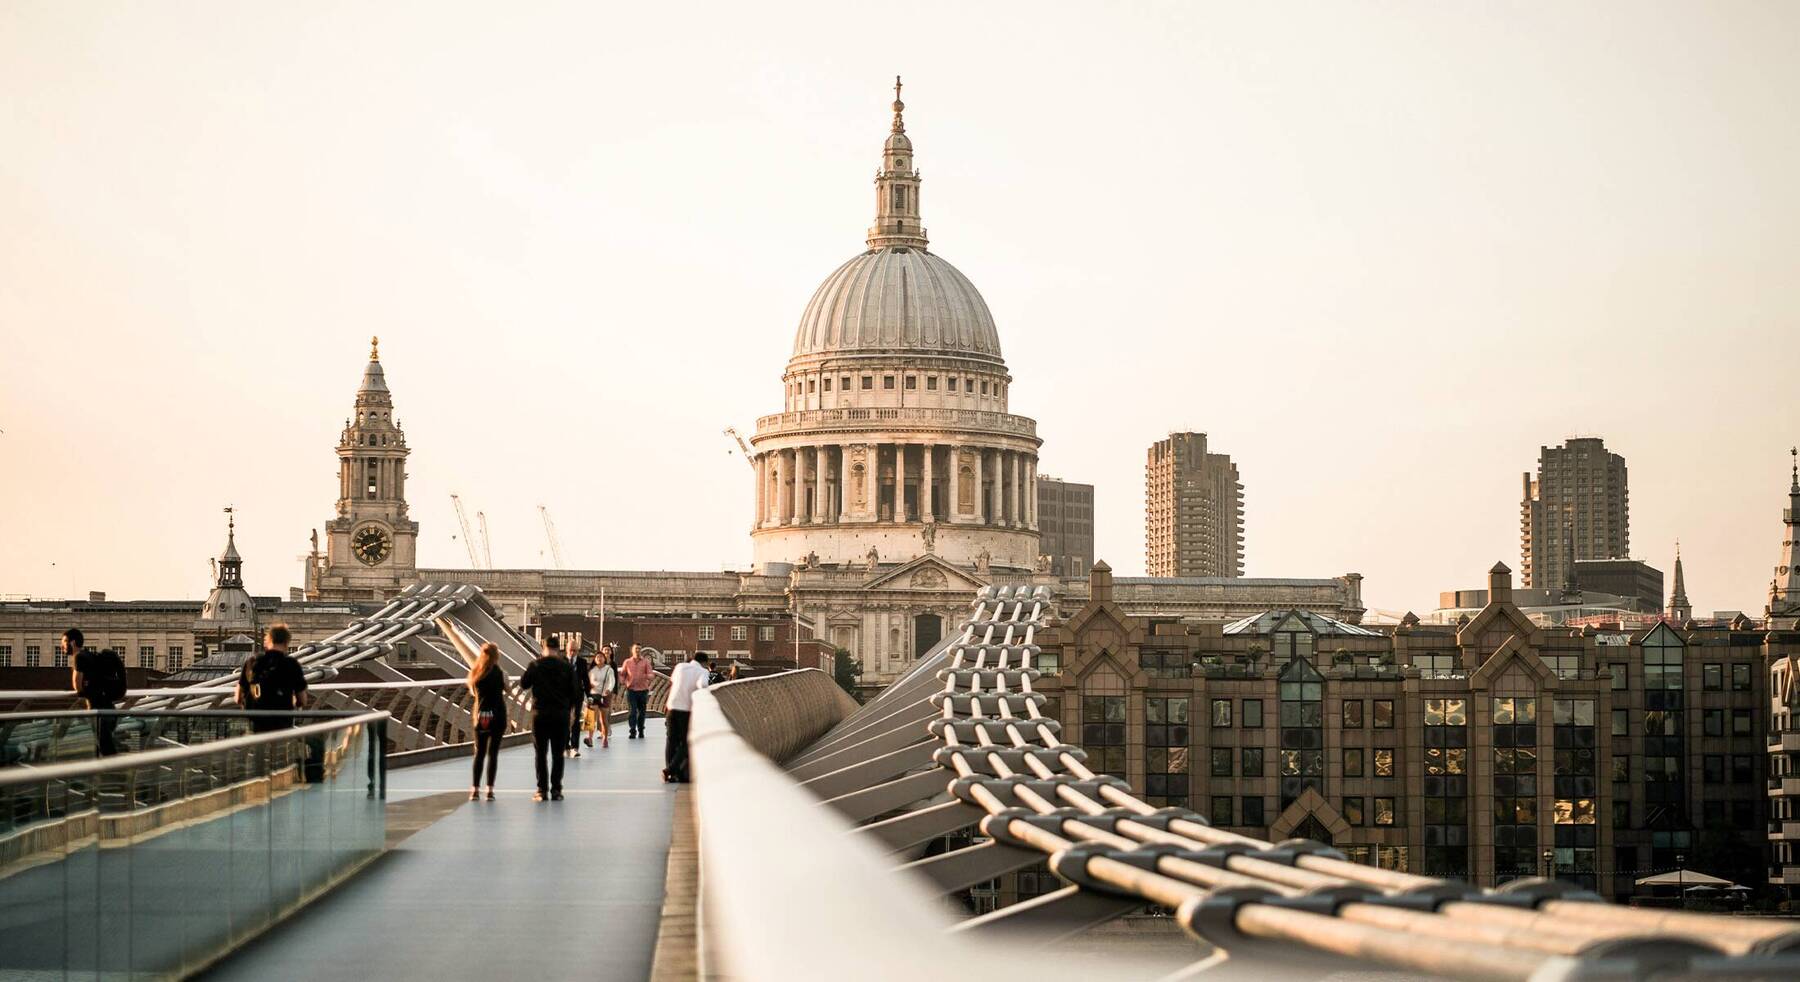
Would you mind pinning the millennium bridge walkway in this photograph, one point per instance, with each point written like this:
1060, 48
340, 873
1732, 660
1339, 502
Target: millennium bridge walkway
819, 841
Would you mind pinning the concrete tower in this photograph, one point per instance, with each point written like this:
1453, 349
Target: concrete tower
1193, 510
371, 546
1576, 508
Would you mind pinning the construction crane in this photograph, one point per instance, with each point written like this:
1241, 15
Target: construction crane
550, 533
468, 539
487, 551
731, 431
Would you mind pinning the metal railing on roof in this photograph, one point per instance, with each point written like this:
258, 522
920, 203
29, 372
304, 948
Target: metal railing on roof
960, 742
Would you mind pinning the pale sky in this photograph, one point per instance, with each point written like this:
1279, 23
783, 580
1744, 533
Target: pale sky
1379, 252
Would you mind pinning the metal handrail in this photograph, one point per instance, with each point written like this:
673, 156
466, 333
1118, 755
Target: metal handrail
149, 758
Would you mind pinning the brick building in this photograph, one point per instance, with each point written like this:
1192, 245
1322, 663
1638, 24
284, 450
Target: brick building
1489, 749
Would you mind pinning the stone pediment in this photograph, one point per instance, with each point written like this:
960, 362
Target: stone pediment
926, 573
1311, 803
1513, 655
1495, 616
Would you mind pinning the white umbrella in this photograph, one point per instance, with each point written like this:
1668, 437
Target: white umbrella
1682, 877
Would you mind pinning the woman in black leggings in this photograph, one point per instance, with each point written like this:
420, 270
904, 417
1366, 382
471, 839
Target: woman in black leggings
488, 682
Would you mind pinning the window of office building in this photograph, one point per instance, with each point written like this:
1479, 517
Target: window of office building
147, 655
1253, 812
5, 656
1251, 719
1166, 751
1446, 788
765, 632
1384, 812
177, 657
1577, 791
1353, 762
1165, 664
1103, 733
33, 656
1302, 691
1353, 714
1384, 714
706, 632
1712, 677
1515, 788
1251, 762
740, 632
1221, 712
1221, 810
1437, 666
1665, 792
1219, 760
1353, 811
1740, 677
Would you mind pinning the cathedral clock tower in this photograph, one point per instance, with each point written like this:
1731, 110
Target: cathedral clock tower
370, 548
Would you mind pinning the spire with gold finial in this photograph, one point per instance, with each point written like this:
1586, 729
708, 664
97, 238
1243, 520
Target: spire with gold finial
897, 223
375, 348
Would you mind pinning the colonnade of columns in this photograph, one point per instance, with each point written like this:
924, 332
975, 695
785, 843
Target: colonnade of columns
891, 481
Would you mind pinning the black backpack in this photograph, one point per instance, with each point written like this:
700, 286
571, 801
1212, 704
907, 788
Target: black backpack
107, 679
267, 684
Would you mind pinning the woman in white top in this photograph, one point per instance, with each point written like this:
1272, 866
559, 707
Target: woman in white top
603, 679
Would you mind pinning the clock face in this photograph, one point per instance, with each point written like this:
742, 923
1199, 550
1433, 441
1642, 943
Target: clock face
371, 545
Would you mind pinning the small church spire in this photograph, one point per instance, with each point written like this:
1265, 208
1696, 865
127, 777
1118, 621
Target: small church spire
1794, 486
1680, 611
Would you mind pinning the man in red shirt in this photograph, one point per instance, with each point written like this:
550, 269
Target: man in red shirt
637, 672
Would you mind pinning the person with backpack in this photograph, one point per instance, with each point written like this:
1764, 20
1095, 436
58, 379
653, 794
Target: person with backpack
98, 677
272, 681
551, 684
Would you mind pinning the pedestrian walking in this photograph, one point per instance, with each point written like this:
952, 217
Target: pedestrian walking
638, 672
603, 679
272, 681
551, 684
688, 678
98, 678
578, 666
487, 681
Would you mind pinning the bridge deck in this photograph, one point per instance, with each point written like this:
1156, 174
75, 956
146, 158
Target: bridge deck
564, 889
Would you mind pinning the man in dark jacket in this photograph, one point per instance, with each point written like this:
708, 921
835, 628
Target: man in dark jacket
550, 681
98, 677
579, 666
273, 681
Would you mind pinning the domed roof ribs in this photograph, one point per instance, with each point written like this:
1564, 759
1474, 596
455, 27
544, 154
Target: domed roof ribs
898, 295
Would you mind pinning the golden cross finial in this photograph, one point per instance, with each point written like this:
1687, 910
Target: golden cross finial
230, 519
375, 349
899, 107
